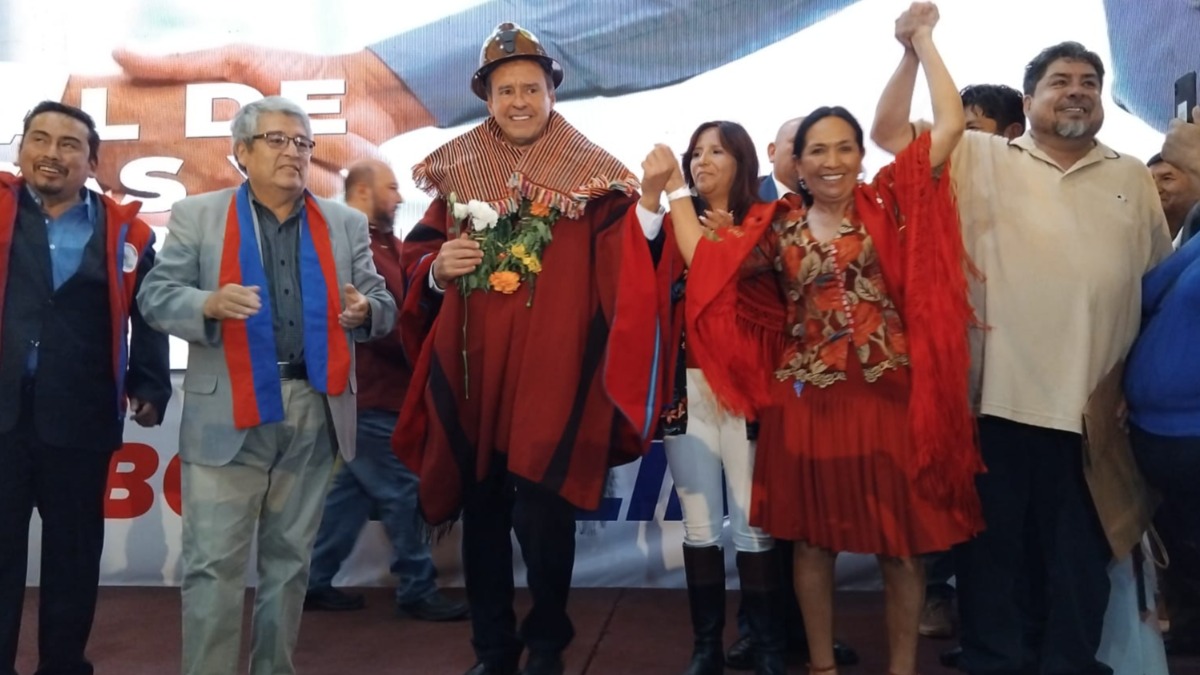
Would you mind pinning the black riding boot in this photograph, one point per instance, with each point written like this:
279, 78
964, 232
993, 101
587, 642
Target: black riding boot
705, 570
760, 575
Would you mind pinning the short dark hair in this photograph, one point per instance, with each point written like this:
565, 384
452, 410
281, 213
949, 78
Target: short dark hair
736, 140
1071, 51
1156, 159
998, 102
69, 111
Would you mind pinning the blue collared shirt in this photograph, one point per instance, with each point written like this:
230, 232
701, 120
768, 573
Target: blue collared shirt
69, 235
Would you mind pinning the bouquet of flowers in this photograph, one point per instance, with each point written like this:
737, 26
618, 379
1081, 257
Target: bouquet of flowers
512, 245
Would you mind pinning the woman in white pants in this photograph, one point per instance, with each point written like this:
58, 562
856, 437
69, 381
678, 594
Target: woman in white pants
711, 452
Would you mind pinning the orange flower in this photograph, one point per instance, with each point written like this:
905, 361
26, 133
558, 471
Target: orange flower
538, 210
506, 282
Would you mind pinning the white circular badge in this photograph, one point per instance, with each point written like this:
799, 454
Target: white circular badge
130, 260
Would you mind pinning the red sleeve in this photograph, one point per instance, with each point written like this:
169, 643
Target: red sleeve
415, 318
635, 294
929, 257
910, 188
735, 321
421, 304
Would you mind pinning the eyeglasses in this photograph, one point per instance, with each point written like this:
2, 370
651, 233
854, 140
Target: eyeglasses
277, 140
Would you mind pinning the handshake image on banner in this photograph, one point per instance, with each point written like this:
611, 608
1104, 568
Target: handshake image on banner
164, 115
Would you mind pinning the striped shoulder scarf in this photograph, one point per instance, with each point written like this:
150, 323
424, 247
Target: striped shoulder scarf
562, 170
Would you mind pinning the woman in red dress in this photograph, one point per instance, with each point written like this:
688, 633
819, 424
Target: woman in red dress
866, 441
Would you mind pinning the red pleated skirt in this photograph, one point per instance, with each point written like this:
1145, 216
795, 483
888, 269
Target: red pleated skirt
831, 470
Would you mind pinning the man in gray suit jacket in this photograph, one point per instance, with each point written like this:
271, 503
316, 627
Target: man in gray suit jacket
270, 286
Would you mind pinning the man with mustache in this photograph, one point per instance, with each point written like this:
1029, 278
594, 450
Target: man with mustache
75, 355
271, 287
1062, 228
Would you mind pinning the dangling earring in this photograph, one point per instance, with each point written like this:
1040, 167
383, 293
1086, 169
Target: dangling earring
862, 175
803, 185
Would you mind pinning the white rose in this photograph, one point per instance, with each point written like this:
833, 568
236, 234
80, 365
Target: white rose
460, 211
483, 216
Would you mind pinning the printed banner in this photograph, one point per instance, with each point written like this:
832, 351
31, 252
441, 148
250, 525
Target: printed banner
163, 78
633, 539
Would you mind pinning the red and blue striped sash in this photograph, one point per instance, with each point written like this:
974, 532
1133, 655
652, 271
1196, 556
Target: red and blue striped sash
250, 343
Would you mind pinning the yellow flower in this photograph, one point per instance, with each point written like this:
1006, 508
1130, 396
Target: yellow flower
506, 282
532, 264
519, 250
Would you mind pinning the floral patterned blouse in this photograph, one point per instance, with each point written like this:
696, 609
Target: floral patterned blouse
838, 305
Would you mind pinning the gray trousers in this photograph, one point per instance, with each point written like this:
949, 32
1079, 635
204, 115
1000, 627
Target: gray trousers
270, 494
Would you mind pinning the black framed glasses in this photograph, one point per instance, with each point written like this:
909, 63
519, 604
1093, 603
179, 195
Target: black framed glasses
277, 140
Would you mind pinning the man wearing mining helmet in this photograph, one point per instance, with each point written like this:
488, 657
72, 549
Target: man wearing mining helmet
518, 404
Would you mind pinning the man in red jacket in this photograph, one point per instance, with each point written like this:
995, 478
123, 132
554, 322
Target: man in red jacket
375, 477
76, 356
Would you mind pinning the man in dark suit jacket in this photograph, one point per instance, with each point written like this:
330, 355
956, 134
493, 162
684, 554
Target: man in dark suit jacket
71, 261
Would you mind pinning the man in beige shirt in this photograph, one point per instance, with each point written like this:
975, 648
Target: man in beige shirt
1062, 228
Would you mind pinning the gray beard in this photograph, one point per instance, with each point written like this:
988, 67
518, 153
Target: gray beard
1074, 129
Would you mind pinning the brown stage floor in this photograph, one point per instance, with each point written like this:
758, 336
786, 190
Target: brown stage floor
618, 632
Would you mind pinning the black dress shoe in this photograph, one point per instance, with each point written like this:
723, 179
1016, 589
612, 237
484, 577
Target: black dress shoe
844, 654
740, 655
951, 657
1176, 645
482, 668
330, 599
436, 607
544, 663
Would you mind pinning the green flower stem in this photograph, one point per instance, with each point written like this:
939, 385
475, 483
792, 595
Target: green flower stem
466, 370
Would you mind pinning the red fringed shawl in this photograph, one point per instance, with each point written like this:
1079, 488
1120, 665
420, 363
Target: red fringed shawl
735, 325
911, 215
563, 170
